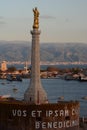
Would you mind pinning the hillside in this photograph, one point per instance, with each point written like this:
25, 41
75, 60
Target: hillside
21, 51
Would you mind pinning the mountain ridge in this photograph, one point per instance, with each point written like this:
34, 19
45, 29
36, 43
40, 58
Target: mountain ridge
52, 52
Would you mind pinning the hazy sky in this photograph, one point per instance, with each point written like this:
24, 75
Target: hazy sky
60, 20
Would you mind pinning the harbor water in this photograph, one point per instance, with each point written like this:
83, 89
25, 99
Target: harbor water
55, 88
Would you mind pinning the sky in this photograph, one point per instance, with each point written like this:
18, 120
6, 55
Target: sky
60, 20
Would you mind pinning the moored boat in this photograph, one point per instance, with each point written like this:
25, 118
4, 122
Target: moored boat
82, 79
85, 97
14, 77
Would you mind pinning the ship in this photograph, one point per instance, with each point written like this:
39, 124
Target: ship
11, 77
35, 112
82, 79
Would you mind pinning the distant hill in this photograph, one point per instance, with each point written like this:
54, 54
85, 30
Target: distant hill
21, 51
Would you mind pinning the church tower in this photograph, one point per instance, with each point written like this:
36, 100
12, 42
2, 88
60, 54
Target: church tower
3, 66
35, 93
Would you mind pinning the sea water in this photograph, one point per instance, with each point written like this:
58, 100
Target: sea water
55, 88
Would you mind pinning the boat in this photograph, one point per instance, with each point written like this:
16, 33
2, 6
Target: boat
85, 97
15, 89
3, 83
82, 79
61, 98
14, 77
9, 77
5, 96
18, 77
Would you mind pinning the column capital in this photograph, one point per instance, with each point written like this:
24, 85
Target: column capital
35, 32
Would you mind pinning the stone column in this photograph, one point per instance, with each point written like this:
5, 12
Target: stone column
35, 92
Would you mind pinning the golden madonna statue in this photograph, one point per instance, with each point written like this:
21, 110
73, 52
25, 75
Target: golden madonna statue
36, 18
